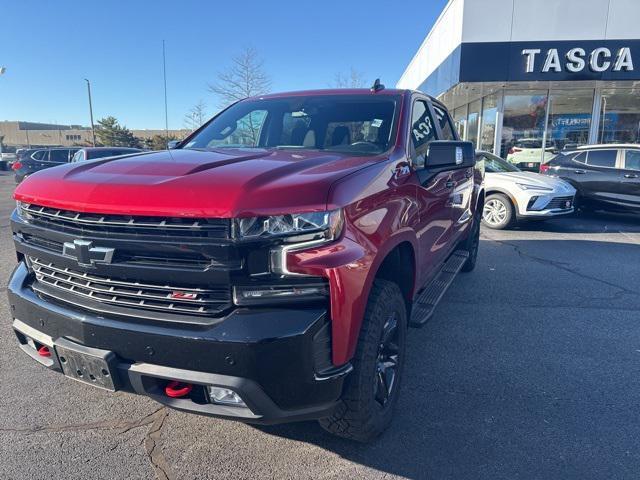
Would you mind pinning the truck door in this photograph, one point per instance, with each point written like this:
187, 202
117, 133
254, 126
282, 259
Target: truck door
433, 193
462, 182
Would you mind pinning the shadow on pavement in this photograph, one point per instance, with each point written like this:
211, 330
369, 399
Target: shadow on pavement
528, 370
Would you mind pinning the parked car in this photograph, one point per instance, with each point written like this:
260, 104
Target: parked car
6, 159
38, 159
91, 153
605, 176
513, 195
263, 270
527, 153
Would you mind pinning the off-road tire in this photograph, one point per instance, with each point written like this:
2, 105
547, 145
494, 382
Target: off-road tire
359, 416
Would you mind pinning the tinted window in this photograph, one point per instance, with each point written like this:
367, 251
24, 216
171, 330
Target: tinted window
422, 129
59, 156
39, 155
602, 158
581, 157
632, 160
445, 123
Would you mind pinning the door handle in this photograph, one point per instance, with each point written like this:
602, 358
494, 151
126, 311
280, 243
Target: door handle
630, 175
580, 171
449, 184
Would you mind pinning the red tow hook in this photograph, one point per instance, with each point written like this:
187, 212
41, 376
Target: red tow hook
176, 389
44, 351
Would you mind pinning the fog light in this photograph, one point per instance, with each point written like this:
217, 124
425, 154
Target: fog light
277, 294
224, 396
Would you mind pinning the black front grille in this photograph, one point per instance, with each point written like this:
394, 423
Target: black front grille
92, 223
130, 294
559, 203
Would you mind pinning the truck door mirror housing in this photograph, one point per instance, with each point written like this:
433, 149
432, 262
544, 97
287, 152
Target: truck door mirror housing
173, 144
450, 153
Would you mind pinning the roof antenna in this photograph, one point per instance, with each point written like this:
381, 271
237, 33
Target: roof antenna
377, 86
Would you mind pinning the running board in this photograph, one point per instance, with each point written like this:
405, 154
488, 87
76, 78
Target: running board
426, 302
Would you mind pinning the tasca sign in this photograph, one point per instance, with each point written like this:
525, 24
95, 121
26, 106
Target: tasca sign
576, 59
562, 60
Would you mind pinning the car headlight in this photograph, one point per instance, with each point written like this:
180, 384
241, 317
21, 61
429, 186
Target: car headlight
327, 225
22, 210
525, 186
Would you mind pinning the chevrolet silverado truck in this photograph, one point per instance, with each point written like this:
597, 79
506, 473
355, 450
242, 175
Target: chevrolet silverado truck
265, 269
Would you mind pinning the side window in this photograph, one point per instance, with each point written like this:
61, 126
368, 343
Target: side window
59, 156
77, 157
445, 123
602, 158
39, 155
632, 160
581, 157
422, 131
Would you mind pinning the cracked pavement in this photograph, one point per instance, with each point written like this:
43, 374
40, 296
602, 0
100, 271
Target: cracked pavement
528, 369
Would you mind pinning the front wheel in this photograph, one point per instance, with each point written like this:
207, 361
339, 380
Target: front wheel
371, 391
498, 212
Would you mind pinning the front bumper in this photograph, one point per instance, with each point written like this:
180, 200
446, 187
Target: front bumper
277, 359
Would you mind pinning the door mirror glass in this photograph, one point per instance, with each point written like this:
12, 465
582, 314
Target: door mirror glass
450, 153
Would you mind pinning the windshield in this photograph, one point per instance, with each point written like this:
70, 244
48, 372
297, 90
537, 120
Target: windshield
493, 164
356, 124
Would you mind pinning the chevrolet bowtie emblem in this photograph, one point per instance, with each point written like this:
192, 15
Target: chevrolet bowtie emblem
86, 254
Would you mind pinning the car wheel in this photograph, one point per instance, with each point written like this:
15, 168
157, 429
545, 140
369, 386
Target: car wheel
497, 212
471, 245
371, 390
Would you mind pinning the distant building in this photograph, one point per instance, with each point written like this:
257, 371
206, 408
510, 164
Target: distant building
32, 134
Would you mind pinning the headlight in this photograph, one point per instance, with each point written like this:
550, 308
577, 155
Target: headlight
525, 186
328, 224
22, 210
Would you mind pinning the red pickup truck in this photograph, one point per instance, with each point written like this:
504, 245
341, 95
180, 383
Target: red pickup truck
265, 269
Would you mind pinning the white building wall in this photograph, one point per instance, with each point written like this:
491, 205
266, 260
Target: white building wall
443, 39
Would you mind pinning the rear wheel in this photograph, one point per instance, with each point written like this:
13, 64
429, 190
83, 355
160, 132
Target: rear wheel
371, 391
498, 212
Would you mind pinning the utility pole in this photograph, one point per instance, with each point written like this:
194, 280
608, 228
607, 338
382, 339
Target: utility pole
166, 111
93, 129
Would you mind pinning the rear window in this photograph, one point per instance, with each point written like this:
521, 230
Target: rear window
632, 160
59, 156
602, 158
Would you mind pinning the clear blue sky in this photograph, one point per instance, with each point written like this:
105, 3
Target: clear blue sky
49, 47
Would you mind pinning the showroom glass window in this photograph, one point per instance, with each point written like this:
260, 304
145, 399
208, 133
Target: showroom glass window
619, 116
473, 122
488, 123
524, 117
569, 119
460, 120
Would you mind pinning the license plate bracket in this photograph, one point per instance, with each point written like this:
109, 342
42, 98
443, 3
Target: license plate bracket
93, 366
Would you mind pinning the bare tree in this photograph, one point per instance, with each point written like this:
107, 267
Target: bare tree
245, 78
196, 116
354, 79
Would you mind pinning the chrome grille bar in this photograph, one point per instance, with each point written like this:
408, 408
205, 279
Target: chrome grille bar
131, 294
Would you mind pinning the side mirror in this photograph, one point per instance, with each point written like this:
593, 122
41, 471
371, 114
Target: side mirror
173, 144
450, 153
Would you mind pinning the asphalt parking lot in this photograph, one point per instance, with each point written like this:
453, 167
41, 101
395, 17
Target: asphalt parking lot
529, 369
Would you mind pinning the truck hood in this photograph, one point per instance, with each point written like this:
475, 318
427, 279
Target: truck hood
222, 183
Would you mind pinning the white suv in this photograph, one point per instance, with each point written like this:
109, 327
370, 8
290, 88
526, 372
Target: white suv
513, 195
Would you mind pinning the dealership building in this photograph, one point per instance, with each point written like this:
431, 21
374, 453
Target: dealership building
550, 74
